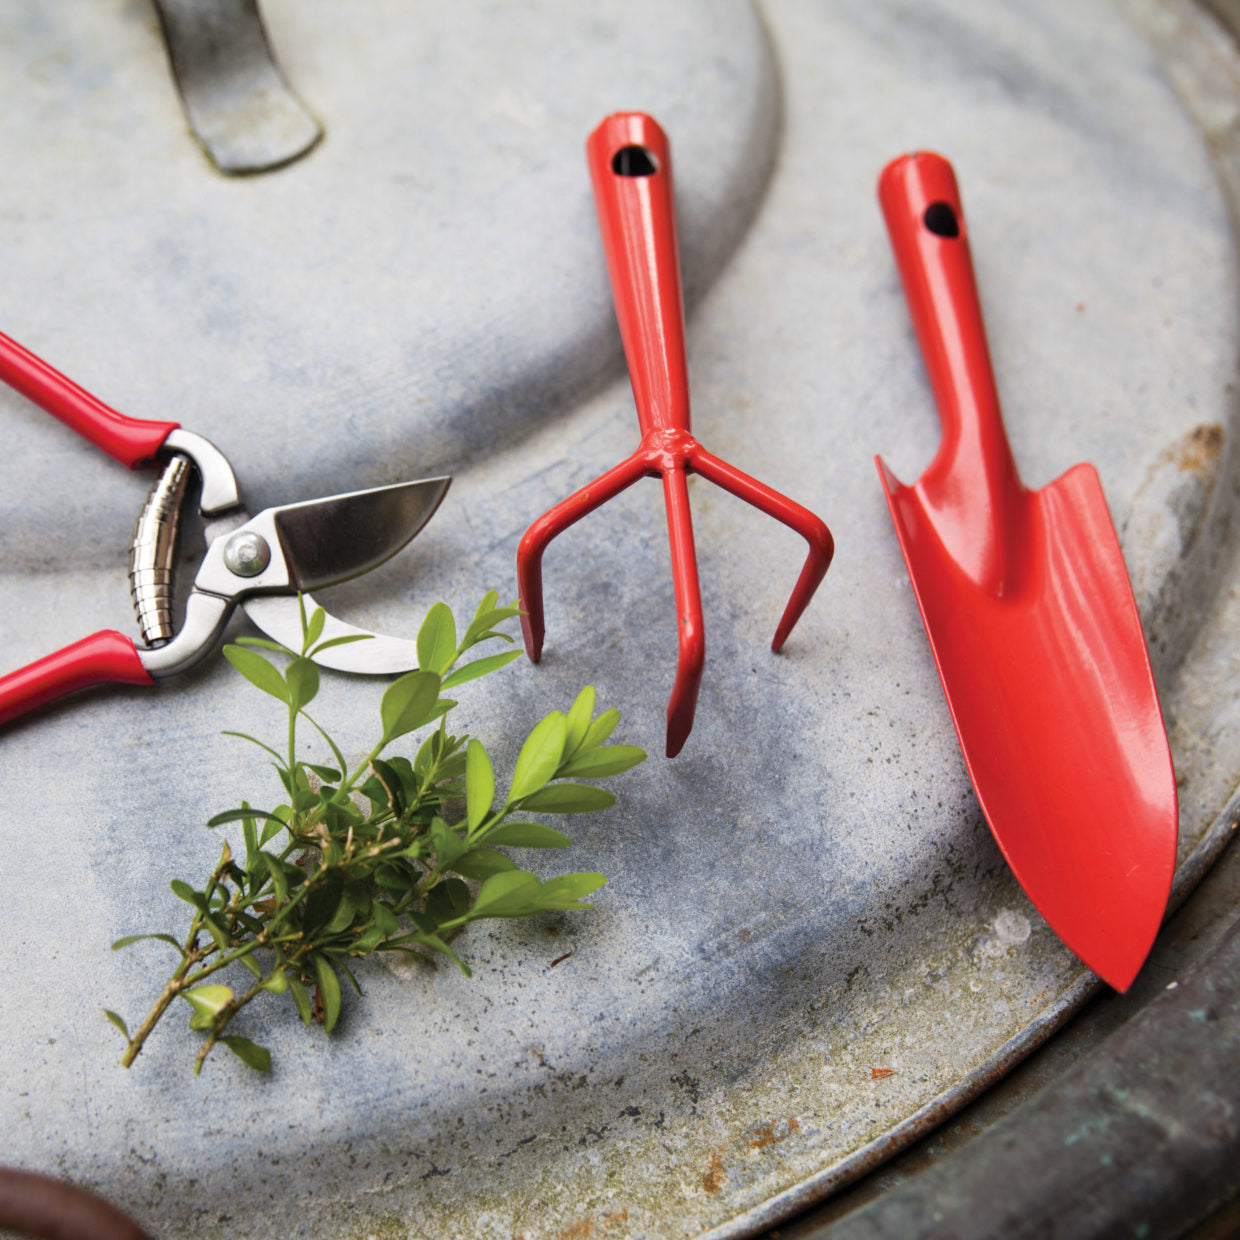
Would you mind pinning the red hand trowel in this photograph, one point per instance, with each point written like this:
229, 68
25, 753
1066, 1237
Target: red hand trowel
1032, 622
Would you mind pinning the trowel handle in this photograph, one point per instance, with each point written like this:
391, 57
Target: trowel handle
921, 203
103, 658
631, 167
132, 441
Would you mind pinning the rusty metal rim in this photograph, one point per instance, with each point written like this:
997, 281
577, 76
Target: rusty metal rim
38, 1205
1140, 1138
815, 1189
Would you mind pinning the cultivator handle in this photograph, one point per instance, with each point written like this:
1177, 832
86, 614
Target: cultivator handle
631, 167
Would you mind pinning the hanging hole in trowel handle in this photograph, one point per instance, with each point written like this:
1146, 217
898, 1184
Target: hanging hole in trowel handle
940, 219
634, 161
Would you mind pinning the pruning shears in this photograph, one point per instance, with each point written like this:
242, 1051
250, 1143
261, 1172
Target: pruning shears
262, 563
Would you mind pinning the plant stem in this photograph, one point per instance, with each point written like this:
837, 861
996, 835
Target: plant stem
173, 987
225, 1014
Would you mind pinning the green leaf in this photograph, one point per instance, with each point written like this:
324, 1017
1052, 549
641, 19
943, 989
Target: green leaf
479, 667
301, 997
303, 682
250, 1053
384, 918
408, 703
346, 910
249, 832
579, 716
447, 900
435, 943
479, 784
117, 1021
489, 599
257, 671
249, 963
216, 931
506, 895
240, 815
279, 880
569, 799
527, 835
245, 736
314, 630
341, 641
393, 877
207, 1001
539, 756
329, 991
135, 938
481, 863
197, 898
277, 981
321, 904
266, 645
272, 827
448, 845
604, 761
305, 799
344, 968
406, 777
328, 774
566, 891
391, 783
600, 729
485, 617
367, 942
437, 640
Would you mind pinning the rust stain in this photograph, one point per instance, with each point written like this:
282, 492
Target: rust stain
591, 1225
877, 1074
715, 1176
772, 1132
1200, 449
758, 1136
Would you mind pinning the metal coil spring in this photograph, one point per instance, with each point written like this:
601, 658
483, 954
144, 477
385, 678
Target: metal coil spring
152, 553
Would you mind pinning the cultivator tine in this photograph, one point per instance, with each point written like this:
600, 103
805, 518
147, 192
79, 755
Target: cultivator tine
630, 164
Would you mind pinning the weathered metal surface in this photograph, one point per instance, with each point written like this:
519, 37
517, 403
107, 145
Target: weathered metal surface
808, 893
236, 100
1139, 1138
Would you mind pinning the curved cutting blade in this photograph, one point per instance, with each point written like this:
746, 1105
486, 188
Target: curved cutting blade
376, 655
326, 541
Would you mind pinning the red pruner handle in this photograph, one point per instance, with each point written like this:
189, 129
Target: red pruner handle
921, 203
132, 441
631, 166
107, 657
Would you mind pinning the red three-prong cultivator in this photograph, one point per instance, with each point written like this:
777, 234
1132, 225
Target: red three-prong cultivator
630, 164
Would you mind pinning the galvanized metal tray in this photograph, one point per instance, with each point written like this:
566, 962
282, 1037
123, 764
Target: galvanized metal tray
806, 895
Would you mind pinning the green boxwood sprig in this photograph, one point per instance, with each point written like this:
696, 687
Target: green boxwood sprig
392, 853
